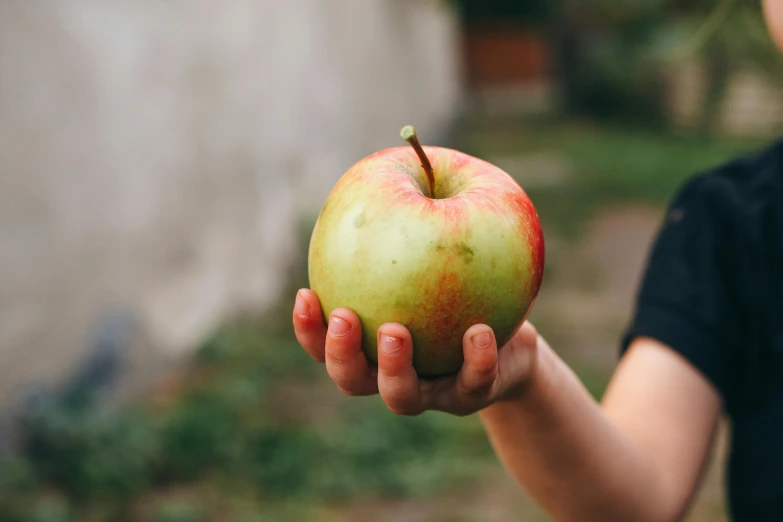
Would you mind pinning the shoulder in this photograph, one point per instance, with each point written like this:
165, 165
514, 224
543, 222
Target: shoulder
743, 186
710, 263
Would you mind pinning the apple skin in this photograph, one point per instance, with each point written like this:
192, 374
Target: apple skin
386, 250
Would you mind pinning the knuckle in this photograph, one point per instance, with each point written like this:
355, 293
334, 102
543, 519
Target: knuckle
486, 369
338, 374
482, 376
307, 324
338, 355
351, 391
404, 410
428, 389
458, 407
476, 394
336, 360
393, 371
527, 335
395, 409
401, 402
533, 330
478, 391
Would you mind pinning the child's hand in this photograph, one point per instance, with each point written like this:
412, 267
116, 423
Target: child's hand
487, 375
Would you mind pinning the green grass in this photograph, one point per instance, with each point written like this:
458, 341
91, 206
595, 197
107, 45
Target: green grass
230, 427
610, 165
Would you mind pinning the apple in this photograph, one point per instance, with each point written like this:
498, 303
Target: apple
431, 238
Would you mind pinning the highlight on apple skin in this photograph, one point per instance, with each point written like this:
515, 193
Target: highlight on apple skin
438, 260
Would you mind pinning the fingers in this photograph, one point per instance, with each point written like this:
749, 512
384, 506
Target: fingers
475, 385
398, 383
528, 334
340, 346
345, 360
518, 360
309, 324
480, 369
488, 374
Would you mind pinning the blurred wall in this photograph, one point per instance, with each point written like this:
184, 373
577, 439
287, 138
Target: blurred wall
156, 156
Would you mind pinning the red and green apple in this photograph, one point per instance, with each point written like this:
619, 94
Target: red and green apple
431, 238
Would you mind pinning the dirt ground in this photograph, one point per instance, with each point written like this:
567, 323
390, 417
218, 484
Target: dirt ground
583, 308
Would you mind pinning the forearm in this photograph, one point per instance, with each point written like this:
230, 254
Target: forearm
579, 465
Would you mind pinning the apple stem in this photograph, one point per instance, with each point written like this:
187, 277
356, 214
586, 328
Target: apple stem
408, 133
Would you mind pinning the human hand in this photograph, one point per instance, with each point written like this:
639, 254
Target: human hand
488, 374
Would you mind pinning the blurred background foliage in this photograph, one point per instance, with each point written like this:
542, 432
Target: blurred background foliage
247, 433
243, 432
610, 56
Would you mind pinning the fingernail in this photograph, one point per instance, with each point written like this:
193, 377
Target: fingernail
390, 344
338, 327
301, 307
482, 340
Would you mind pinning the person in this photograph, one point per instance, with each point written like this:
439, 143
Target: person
706, 338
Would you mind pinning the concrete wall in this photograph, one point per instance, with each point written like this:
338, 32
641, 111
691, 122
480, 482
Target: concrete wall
155, 156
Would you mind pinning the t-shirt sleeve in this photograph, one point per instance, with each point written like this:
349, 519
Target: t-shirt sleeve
682, 300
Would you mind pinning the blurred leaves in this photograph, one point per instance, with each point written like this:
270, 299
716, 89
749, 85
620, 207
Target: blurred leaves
611, 164
610, 56
229, 424
527, 12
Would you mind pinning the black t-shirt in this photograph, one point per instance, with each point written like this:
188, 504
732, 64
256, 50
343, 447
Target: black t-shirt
713, 291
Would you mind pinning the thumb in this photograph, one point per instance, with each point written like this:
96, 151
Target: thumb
517, 360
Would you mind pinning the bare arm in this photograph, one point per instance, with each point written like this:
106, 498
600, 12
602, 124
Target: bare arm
638, 457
